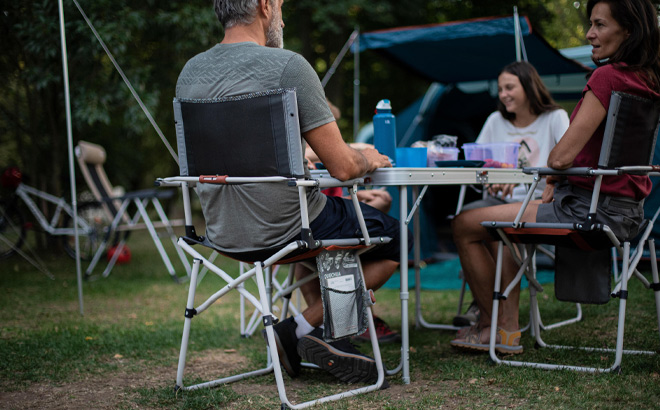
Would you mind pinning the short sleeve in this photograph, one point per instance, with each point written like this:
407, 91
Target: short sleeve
600, 83
559, 123
486, 135
313, 107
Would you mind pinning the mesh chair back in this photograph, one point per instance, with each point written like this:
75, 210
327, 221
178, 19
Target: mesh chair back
250, 135
630, 131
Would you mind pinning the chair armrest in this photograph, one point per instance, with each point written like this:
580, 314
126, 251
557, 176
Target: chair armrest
583, 171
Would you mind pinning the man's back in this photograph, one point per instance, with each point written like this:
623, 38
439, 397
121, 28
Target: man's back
237, 215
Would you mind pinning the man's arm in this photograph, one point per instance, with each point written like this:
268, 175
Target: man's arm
342, 161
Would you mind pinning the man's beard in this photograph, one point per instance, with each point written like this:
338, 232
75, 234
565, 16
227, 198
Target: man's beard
275, 33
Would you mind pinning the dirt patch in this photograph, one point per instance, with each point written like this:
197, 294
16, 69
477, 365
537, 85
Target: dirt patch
118, 389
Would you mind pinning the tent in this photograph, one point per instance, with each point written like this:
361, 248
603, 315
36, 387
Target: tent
470, 50
462, 61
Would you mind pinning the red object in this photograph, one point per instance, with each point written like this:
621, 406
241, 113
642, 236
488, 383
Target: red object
124, 256
334, 191
11, 178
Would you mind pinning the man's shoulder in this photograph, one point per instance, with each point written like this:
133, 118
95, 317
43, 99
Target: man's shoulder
245, 50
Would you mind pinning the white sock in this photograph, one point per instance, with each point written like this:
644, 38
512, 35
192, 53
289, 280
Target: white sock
303, 326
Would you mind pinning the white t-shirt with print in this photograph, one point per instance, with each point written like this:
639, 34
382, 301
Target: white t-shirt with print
536, 141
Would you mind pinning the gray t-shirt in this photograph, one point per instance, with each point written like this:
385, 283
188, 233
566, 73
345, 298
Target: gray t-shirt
243, 218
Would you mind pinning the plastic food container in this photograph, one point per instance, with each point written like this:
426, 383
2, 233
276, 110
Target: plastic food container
496, 155
441, 154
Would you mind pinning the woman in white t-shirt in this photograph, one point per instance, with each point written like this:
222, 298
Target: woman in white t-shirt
527, 114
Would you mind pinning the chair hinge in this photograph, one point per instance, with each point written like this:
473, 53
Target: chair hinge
190, 313
308, 238
498, 296
622, 294
270, 320
655, 286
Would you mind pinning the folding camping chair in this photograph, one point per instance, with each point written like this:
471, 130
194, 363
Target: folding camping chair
419, 318
261, 126
628, 145
116, 209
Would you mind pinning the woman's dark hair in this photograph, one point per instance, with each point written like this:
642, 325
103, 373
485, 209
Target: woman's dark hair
539, 97
641, 50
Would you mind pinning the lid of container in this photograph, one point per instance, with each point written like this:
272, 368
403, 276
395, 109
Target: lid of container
384, 105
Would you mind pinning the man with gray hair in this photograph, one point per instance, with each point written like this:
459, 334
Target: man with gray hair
250, 59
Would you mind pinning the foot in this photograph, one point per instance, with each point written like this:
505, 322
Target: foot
340, 358
383, 332
469, 318
462, 332
286, 341
478, 339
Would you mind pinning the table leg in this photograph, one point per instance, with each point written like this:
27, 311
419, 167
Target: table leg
403, 268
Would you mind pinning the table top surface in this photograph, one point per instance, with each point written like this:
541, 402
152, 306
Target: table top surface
440, 176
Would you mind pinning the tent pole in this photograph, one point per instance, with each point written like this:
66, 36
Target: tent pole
516, 25
69, 133
339, 58
356, 83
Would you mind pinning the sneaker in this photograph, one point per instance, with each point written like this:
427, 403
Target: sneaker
383, 332
469, 318
340, 358
286, 341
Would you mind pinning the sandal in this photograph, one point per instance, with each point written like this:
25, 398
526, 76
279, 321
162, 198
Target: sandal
471, 340
509, 341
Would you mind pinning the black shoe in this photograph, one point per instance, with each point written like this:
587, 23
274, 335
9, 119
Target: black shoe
286, 341
340, 358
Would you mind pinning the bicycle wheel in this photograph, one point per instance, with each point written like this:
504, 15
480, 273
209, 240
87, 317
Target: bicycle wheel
92, 226
12, 229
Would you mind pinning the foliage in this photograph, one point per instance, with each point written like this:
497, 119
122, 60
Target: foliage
152, 39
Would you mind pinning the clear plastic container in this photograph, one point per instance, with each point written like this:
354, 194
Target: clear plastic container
496, 154
436, 153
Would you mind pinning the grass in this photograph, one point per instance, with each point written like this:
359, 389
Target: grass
130, 334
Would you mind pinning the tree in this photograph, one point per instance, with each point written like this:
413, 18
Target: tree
150, 40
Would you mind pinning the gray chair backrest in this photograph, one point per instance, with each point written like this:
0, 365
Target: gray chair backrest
249, 135
630, 131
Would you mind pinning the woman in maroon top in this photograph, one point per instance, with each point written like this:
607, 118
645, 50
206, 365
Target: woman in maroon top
626, 41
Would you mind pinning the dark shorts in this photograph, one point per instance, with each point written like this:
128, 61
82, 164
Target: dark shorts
571, 204
338, 220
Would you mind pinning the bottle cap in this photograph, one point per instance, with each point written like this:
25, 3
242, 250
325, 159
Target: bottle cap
383, 105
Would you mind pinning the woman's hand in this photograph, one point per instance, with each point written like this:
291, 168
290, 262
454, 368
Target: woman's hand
548, 192
505, 189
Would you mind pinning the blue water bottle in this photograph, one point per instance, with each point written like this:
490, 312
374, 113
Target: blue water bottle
385, 130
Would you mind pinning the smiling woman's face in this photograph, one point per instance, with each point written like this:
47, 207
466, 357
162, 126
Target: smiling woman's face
605, 33
512, 94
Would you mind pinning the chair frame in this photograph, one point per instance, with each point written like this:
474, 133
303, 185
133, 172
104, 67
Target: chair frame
91, 158
260, 270
502, 230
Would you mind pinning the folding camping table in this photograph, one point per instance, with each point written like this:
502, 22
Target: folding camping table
416, 177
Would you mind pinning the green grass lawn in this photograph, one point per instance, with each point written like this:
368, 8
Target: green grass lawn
123, 352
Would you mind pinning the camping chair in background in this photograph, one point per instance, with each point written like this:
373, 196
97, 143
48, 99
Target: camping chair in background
583, 257
91, 158
261, 126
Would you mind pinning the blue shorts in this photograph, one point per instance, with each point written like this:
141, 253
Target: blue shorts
338, 220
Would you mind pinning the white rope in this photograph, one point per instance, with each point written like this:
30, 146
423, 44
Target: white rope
128, 84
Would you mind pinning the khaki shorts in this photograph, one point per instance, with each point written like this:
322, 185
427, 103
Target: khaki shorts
571, 204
